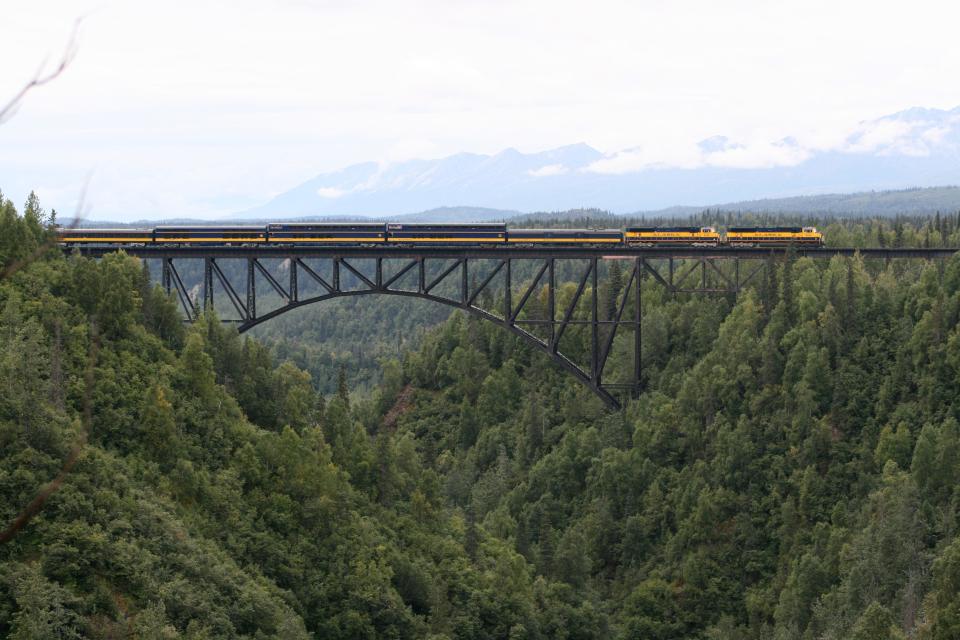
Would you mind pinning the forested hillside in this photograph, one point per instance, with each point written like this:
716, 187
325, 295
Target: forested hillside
790, 472
354, 335
916, 201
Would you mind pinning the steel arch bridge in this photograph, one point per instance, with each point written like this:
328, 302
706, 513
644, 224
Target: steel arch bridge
464, 278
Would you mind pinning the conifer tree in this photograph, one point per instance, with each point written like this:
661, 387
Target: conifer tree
468, 429
787, 297
158, 425
342, 390
614, 286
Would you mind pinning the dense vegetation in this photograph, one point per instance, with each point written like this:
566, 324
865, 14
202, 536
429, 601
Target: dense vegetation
354, 335
791, 470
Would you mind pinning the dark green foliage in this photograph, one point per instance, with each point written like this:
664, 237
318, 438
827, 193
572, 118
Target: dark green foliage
790, 471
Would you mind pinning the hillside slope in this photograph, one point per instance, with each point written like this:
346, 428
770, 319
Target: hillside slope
204, 491
864, 203
791, 470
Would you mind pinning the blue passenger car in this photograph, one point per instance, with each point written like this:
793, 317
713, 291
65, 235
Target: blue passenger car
479, 233
314, 233
565, 236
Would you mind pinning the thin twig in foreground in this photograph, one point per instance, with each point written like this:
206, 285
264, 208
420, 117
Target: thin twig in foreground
39, 79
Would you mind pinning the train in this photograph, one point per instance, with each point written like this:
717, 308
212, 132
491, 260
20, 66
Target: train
440, 234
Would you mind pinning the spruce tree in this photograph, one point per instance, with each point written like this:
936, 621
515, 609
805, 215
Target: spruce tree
787, 298
613, 289
342, 390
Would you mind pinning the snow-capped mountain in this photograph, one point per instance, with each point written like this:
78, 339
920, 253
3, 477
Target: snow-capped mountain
913, 148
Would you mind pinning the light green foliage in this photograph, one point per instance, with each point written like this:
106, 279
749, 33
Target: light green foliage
44, 608
876, 623
894, 445
945, 612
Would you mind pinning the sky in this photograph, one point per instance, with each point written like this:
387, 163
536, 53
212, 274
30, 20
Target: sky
200, 108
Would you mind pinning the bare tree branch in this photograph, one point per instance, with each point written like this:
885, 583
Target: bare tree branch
6, 112
40, 78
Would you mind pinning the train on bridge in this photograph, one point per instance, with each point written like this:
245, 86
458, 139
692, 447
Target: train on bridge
403, 234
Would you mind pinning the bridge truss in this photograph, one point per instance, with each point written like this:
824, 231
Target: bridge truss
515, 288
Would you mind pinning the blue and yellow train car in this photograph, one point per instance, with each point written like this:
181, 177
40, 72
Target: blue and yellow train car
315, 233
564, 236
105, 236
459, 234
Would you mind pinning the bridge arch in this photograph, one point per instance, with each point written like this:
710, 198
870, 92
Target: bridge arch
454, 269
559, 358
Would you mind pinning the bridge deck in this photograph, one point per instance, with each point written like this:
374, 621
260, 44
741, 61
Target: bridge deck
267, 252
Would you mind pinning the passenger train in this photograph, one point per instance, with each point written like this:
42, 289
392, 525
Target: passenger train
485, 234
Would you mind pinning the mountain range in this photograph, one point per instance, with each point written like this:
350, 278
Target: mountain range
917, 147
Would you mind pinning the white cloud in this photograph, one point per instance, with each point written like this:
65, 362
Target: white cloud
225, 104
330, 192
913, 133
758, 156
648, 157
629, 161
728, 155
935, 135
873, 136
548, 170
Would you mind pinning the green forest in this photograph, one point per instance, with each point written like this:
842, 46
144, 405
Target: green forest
790, 471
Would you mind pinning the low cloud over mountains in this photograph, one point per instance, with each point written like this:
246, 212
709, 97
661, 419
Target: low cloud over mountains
916, 147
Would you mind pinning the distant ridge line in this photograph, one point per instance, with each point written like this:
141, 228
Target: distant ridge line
888, 203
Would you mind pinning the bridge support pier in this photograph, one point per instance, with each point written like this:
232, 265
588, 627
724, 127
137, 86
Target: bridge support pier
294, 295
251, 291
208, 284
165, 274
637, 327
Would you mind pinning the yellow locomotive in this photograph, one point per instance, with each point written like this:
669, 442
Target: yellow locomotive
773, 236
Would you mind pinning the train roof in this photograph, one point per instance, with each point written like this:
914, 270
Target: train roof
512, 230
661, 229
766, 229
447, 225
78, 230
216, 227
325, 225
